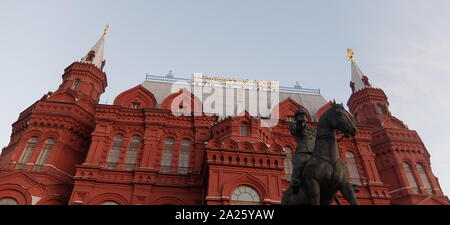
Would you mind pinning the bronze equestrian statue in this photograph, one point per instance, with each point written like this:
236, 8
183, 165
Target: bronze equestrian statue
325, 173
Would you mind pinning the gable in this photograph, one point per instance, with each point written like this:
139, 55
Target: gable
137, 95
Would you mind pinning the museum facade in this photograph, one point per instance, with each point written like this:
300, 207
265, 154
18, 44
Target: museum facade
159, 143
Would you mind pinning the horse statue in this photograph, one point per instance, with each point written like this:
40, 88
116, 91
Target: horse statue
325, 173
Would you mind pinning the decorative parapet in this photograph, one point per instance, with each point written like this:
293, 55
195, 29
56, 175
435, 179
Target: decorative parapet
171, 79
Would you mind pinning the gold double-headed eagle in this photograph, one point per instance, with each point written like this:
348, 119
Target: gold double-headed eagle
105, 31
350, 54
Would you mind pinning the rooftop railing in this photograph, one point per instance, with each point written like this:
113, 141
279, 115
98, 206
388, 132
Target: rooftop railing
299, 90
171, 79
150, 77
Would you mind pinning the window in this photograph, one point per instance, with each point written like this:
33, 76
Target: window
245, 195
44, 153
166, 161
423, 176
410, 176
379, 109
75, 85
181, 109
27, 152
135, 105
288, 163
113, 156
90, 56
352, 168
8, 201
244, 130
130, 161
109, 203
183, 162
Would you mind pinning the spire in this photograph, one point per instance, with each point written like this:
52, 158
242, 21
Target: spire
95, 55
359, 80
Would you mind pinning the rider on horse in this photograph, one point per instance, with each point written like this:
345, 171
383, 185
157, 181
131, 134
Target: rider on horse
305, 136
322, 173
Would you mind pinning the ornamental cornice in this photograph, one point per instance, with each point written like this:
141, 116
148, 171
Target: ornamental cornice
60, 119
107, 108
364, 95
220, 150
399, 148
370, 90
65, 107
396, 136
87, 173
85, 75
87, 67
27, 112
60, 123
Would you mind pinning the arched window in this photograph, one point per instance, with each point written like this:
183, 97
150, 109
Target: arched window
245, 195
27, 152
135, 105
288, 163
75, 85
130, 161
423, 176
109, 203
8, 201
90, 56
113, 156
290, 119
181, 108
410, 176
352, 168
244, 129
44, 153
166, 161
183, 161
379, 109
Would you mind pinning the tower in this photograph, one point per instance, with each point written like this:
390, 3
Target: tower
84, 81
401, 157
52, 136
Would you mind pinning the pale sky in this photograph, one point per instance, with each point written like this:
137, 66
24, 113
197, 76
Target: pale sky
403, 46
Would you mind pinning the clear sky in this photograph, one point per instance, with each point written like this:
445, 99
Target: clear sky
402, 45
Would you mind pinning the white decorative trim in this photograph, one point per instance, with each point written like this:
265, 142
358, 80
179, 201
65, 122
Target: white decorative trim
52, 166
212, 197
35, 199
398, 189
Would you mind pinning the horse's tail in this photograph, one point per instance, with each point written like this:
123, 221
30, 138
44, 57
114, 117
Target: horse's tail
287, 196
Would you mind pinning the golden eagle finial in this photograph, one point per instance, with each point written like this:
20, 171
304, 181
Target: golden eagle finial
350, 54
105, 31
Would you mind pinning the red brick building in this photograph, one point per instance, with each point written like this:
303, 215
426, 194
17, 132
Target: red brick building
68, 149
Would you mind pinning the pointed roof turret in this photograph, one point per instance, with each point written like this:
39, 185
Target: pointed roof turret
359, 80
95, 55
